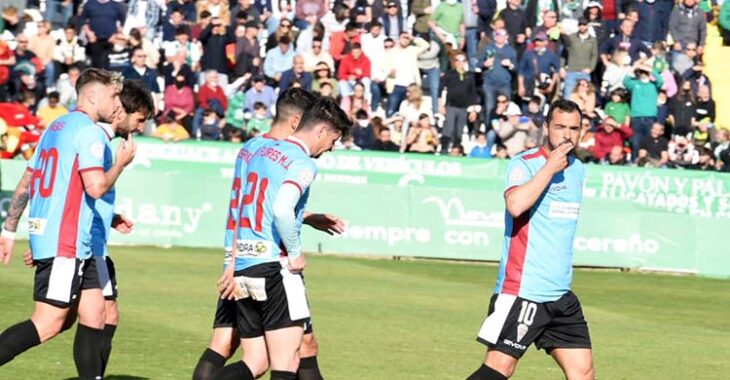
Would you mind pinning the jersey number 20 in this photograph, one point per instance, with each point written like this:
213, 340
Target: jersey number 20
251, 197
47, 162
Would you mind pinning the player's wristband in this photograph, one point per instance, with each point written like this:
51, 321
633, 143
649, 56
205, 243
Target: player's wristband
8, 234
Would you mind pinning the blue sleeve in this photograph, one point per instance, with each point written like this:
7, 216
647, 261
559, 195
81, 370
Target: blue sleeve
285, 218
153, 81
301, 174
90, 143
518, 174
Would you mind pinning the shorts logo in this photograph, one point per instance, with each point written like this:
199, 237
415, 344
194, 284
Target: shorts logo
521, 331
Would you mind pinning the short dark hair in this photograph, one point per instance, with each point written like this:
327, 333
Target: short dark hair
317, 39
54, 95
136, 98
375, 23
182, 29
93, 75
326, 110
284, 39
293, 101
259, 105
135, 49
564, 105
350, 27
356, 45
204, 14
361, 114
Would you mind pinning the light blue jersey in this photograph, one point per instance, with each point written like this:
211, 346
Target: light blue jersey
61, 214
103, 208
248, 149
538, 246
270, 166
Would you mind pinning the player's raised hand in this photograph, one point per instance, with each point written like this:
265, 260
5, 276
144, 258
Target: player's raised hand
122, 224
328, 223
28, 259
126, 151
297, 264
558, 159
6, 249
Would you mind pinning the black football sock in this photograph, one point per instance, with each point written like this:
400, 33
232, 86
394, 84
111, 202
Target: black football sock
236, 371
283, 375
486, 373
17, 339
308, 369
106, 345
208, 364
87, 352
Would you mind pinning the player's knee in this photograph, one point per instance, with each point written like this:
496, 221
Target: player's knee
47, 325
584, 373
257, 363
222, 343
501, 362
309, 346
111, 313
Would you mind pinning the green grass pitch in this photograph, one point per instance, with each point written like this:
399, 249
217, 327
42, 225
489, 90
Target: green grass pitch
384, 319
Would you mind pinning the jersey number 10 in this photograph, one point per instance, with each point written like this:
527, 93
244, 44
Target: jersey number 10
251, 197
47, 160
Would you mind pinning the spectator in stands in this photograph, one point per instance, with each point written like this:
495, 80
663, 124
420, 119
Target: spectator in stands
354, 68
58, 13
421, 10
499, 63
682, 111
516, 24
428, 63
355, 101
460, 88
309, 8
211, 92
697, 77
384, 142
704, 134
483, 12
172, 24
615, 72
343, 42
323, 75
723, 23
481, 149
283, 30
180, 103
682, 153
582, 51
139, 71
363, 131
705, 161
261, 120
217, 8
624, 41
68, 50
171, 130
278, 60
648, 29
687, 24
138, 39
392, 20
516, 131
584, 95
616, 157
214, 39
414, 105
42, 45
447, 23
66, 87
210, 128
538, 72
260, 92
551, 29
296, 73
422, 136
118, 58
52, 111
608, 135
401, 66
373, 45
705, 105
644, 89
653, 149
102, 19
178, 66
316, 55
247, 10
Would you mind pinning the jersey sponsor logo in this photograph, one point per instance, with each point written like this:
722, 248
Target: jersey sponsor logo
253, 248
306, 177
37, 226
97, 150
516, 174
564, 210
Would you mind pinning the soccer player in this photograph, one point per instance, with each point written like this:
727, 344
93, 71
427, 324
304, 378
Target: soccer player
66, 177
532, 302
137, 106
271, 300
290, 106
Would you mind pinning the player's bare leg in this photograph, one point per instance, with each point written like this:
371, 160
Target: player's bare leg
255, 362
111, 321
497, 366
308, 350
222, 346
283, 346
45, 323
577, 363
89, 332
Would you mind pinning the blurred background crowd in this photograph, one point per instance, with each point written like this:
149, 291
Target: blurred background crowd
423, 76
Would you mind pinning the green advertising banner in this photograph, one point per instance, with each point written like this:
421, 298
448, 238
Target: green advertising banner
427, 206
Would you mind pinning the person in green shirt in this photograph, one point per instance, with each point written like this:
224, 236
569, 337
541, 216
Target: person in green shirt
259, 121
644, 88
618, 108
723, 23
447, 23
234, 113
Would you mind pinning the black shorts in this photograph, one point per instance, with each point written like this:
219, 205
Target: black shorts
513, 323
59, 280
275, 299
105, 279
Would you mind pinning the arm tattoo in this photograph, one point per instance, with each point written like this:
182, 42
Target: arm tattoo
18, 203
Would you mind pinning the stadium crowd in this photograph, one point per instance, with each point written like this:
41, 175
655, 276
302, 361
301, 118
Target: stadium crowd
426, 76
